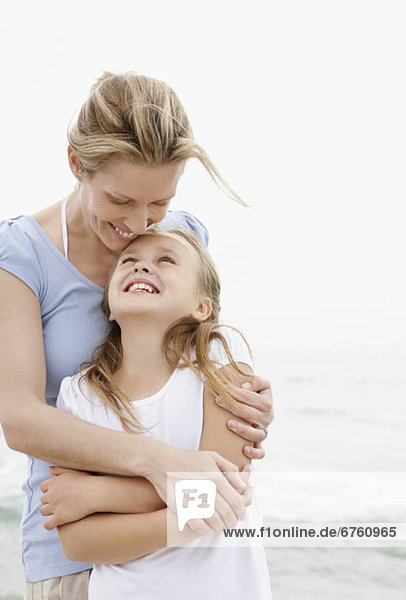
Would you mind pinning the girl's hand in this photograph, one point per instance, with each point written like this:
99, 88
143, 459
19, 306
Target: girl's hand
253, 402
65, 497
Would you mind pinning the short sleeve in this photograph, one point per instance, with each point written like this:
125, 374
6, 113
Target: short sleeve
67, 399
238, 348
179, 219
19, 256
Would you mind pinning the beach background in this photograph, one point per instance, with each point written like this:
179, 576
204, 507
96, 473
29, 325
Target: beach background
301, 107
322, 424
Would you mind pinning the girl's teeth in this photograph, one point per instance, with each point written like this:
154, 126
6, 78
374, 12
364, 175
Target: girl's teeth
141, 286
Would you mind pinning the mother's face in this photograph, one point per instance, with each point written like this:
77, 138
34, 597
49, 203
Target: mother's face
124, 199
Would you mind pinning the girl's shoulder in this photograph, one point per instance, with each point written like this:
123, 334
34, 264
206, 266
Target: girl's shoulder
76, 396
229, 339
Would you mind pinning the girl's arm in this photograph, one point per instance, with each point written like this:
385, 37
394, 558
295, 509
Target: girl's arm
134, 535
216, 436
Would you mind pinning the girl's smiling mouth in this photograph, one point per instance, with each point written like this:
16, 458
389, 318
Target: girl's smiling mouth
141, 285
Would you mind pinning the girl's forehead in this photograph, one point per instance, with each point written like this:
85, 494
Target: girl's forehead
162, 239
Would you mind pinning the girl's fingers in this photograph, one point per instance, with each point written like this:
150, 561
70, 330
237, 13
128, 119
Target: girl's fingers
44, 485
50, 523
46, 510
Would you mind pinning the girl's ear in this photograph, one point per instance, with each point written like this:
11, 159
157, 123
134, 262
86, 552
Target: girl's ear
203, 311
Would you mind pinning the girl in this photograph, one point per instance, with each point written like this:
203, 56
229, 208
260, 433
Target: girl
164, 293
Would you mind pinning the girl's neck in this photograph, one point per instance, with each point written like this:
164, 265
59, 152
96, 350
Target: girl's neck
144, 370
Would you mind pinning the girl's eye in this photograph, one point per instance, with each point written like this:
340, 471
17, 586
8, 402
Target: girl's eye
128, 258
167, 259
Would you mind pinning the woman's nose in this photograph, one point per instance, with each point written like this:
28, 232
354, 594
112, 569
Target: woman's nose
137, 222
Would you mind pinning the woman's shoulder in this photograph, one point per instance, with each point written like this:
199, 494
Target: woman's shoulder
21, 253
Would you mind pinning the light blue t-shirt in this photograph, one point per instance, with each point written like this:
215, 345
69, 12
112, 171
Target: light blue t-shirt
73, 325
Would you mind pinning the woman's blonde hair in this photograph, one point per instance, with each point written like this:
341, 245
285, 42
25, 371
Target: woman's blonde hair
186, 343
137, 118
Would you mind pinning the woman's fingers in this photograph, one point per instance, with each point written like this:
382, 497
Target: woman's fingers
252, 401
199, 526
254, 452
246, 431
250, 406
259, 384
230, 471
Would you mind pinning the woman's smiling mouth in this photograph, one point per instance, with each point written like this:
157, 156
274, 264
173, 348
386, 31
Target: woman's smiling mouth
123, 235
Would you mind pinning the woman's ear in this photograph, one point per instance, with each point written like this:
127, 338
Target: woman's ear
74, 164
111, 318
203, 311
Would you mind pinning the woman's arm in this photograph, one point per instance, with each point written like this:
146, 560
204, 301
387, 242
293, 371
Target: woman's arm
106, 538
29, 424
131, 536
32, 427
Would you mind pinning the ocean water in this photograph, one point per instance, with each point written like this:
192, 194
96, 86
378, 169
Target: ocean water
326, 423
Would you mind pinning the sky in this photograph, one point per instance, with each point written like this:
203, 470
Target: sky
301, 105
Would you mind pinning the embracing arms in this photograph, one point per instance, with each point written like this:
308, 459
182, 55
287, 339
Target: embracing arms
32, 427
135, 535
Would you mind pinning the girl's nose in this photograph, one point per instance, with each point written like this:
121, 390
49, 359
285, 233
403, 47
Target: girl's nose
142, 267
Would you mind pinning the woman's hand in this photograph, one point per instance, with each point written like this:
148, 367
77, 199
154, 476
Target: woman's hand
253, 402
223, 518
172, 464
65, 497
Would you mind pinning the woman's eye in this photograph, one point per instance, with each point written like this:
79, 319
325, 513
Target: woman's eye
118, 203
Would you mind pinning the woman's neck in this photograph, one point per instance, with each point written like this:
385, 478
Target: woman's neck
144, 369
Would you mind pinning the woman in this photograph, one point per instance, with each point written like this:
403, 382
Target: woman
127, 150
165, 292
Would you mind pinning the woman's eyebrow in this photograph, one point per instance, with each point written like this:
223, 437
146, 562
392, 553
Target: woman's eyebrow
134, 200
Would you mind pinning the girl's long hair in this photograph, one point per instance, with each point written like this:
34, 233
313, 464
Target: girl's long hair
186, 344
136, 118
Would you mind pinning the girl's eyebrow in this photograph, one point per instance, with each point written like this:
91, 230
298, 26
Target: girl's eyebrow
159, 250
168, 251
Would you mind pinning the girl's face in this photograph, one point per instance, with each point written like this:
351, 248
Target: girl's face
125, 199
157, 275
